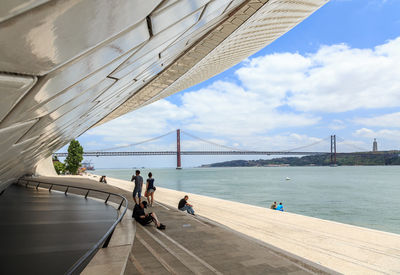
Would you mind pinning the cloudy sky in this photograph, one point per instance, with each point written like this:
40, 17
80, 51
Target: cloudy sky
338, 72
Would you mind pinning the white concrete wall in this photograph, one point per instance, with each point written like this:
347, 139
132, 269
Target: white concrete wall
61, 76
45, 168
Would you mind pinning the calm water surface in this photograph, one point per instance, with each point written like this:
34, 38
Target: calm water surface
363, 196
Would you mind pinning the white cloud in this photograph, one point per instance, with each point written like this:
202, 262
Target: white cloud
93, 144
387, 120
272, 75
337, 124
147, 122
288, 141
337, 78
364, 132
229, 110
221, 109
380, 134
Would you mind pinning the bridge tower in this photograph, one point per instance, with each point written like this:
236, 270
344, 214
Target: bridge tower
178, 149
333, 150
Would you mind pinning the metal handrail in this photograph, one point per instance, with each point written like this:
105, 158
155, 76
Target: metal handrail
77, 266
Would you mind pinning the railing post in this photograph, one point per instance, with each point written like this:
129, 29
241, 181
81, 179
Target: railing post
66, 190
120, 204
87, 193
37, 186
107, 198
50, 188
108, 239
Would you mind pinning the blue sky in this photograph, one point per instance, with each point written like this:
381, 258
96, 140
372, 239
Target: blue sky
338, 72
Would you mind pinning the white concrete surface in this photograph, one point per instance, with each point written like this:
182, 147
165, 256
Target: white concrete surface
345, 248
61, 76
45, 168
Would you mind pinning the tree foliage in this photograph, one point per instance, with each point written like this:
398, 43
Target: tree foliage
59, 167
74, 158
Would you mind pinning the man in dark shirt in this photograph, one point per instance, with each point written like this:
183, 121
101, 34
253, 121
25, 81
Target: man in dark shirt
143, 218
184, 205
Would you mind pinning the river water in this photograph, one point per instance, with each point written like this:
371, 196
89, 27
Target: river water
367, 196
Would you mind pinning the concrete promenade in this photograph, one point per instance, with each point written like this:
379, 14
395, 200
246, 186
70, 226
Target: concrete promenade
190, 245
344, 248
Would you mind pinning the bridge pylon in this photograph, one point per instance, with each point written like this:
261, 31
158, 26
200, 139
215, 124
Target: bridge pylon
333, 150
178, 149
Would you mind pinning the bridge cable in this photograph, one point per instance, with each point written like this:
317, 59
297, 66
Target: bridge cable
305, 146
351, 144
213, 143
132, 144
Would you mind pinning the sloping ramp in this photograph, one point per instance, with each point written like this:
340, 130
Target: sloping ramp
44, 232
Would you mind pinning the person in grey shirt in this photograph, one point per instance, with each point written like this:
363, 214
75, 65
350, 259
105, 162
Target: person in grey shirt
138, 186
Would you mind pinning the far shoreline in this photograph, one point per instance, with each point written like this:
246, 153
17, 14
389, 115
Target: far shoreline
277, 166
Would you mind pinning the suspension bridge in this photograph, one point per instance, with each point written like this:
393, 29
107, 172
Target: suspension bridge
221, 149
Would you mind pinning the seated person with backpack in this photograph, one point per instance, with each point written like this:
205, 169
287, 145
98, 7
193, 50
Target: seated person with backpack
145, 219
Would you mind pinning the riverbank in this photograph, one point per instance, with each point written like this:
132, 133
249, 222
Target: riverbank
348, 159
341, 247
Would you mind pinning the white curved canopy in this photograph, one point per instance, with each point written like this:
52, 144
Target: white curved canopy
69, 65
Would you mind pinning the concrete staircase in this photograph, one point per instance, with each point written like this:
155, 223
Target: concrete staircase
114, 258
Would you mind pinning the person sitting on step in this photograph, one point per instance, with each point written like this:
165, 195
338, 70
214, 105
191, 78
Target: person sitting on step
184, 205
145, 219
279, 207
103, 179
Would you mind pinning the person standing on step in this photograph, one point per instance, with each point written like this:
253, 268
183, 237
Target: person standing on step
150, 189
137, 191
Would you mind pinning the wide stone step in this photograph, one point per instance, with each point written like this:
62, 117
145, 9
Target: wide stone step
114, 259
144, 260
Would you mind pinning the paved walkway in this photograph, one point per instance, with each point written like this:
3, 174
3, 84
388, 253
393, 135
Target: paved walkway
199, 246
345, 248
191, 245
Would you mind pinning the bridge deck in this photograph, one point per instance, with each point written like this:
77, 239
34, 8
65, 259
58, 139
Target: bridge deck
191, 153
46, 233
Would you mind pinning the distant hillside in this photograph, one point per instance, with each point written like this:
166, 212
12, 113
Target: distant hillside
350, 159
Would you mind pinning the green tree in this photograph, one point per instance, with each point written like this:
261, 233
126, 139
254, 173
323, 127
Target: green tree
74, 158
59, 167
